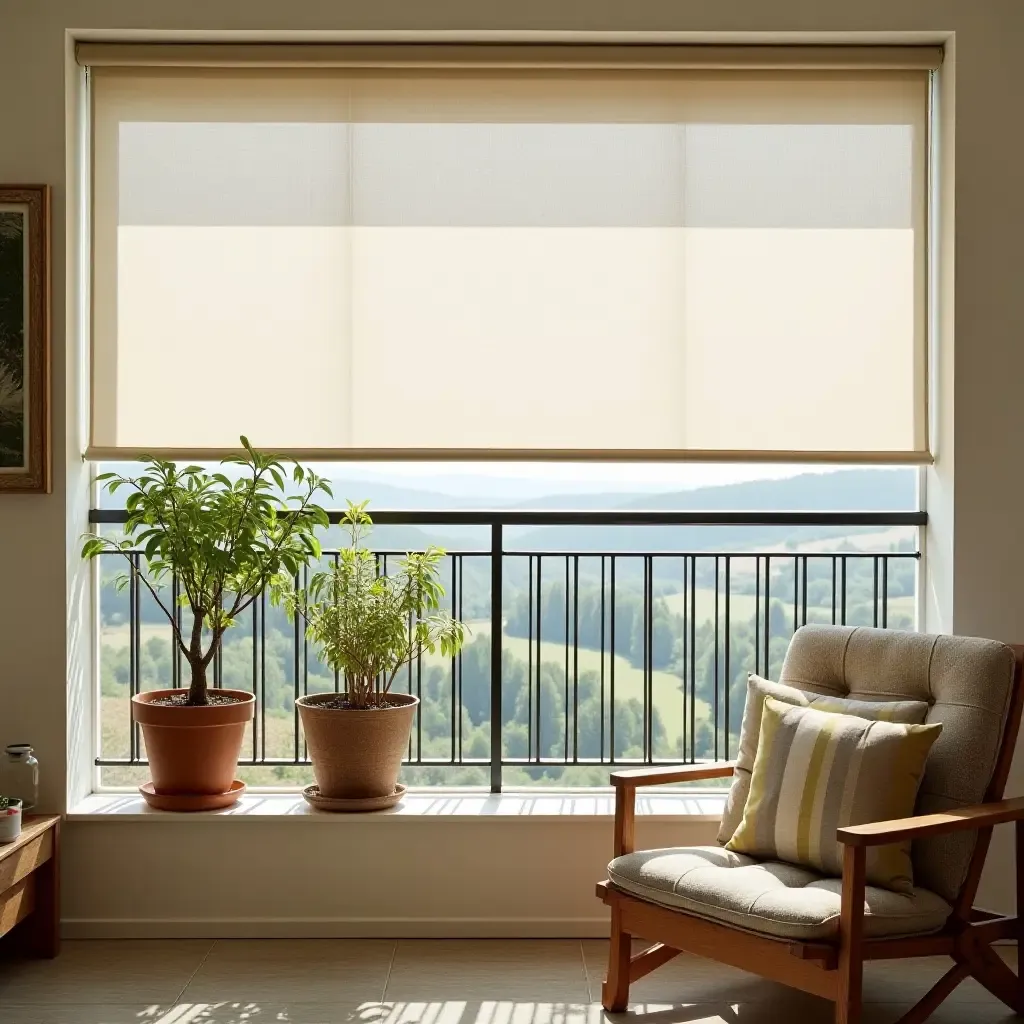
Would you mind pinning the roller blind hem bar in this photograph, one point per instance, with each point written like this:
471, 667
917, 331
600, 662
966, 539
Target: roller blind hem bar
107, 454
580, 56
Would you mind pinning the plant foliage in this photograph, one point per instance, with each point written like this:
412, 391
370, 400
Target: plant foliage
369, 625
223, 540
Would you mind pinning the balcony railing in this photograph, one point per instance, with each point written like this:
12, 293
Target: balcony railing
621, 648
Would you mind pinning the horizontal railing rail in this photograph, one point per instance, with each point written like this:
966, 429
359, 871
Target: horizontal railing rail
604, 658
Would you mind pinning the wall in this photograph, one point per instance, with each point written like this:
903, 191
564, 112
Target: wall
978, 558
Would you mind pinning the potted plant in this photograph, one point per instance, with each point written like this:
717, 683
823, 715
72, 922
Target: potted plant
367, 627
10, 818
224, 541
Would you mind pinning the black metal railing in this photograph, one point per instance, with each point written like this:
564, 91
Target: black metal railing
629, 646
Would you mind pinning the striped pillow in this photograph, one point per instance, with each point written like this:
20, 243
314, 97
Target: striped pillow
816, 772
912, 711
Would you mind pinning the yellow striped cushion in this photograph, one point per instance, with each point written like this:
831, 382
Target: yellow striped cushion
912, 711
816, 772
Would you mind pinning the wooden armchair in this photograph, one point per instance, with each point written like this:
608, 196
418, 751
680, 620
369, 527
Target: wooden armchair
779, 925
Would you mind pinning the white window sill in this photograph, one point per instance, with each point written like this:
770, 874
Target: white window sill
456, 806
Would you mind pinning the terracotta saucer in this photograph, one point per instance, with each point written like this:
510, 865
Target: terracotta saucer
191, 801
312, 796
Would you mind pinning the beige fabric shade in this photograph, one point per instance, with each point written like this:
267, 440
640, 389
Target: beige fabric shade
347, 262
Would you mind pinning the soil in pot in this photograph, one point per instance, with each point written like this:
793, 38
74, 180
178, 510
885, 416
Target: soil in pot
193, 750
356, 752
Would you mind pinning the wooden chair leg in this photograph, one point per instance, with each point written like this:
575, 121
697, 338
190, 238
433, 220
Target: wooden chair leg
988, 969
1019, 855
615, 991
849, 995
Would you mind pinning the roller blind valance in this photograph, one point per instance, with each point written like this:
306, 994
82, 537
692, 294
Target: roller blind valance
438, 261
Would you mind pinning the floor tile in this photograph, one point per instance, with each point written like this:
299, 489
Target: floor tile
440, 970
104, 971
201, 1013
307, 970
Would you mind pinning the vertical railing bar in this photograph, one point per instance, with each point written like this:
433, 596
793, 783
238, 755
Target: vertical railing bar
337, 674
263, 675
757, 615
305, 661
875, 590
540, 602
717, 698
602, 656
833, 590
842, 590
576, 659
648, 661
455, 708
258, 709
295, 669
611, 663
885, 592
133, 661
462, 610
565, 729
693, 658
767, 615
804, 615
686, 655
497, 627
728, 624
408, 679
529, 658
175, 649
796, 592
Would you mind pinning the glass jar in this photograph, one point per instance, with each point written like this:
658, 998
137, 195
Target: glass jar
20, 776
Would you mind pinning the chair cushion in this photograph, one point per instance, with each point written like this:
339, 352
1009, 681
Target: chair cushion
968, 684
816, 772
768, 897
912, 711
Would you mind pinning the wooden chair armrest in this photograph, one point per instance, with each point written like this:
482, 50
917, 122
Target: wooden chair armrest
627, 781
978, 816
631, 778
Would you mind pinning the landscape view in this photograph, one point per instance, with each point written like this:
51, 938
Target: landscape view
654, 667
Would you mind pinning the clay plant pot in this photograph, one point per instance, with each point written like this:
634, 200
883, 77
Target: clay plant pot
193, 750
356, 754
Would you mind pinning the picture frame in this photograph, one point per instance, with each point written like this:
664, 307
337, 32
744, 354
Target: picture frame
25, 443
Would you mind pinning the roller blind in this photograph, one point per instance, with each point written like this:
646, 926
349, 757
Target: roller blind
510, 262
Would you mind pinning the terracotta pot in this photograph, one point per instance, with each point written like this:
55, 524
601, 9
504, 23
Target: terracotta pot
356, 754
193, 750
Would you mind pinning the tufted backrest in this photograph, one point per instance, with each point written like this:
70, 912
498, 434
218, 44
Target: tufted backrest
969, 684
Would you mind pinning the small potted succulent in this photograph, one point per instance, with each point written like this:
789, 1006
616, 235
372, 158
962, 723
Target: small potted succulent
367, 626
10, 818
224, 541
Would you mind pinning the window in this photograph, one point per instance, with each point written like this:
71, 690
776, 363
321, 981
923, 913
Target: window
661, 257
638, 261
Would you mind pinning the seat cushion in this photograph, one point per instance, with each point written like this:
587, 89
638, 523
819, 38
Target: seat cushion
768, 897
911, 711
816, 772
968, 684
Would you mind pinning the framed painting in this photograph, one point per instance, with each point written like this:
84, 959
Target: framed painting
25, 338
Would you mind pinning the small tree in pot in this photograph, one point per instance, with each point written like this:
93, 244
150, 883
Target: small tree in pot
368, 626
224, 541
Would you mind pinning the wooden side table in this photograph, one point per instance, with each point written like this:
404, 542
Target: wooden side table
30, 885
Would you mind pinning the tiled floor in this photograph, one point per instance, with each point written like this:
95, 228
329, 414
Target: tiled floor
312, 981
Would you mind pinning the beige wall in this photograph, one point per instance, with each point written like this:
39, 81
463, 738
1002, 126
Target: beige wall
977, 559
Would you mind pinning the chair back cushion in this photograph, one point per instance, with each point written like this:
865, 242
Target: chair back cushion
909, 711
968, 683
816, 772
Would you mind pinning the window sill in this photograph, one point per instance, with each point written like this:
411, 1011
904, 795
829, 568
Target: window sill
451, 805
